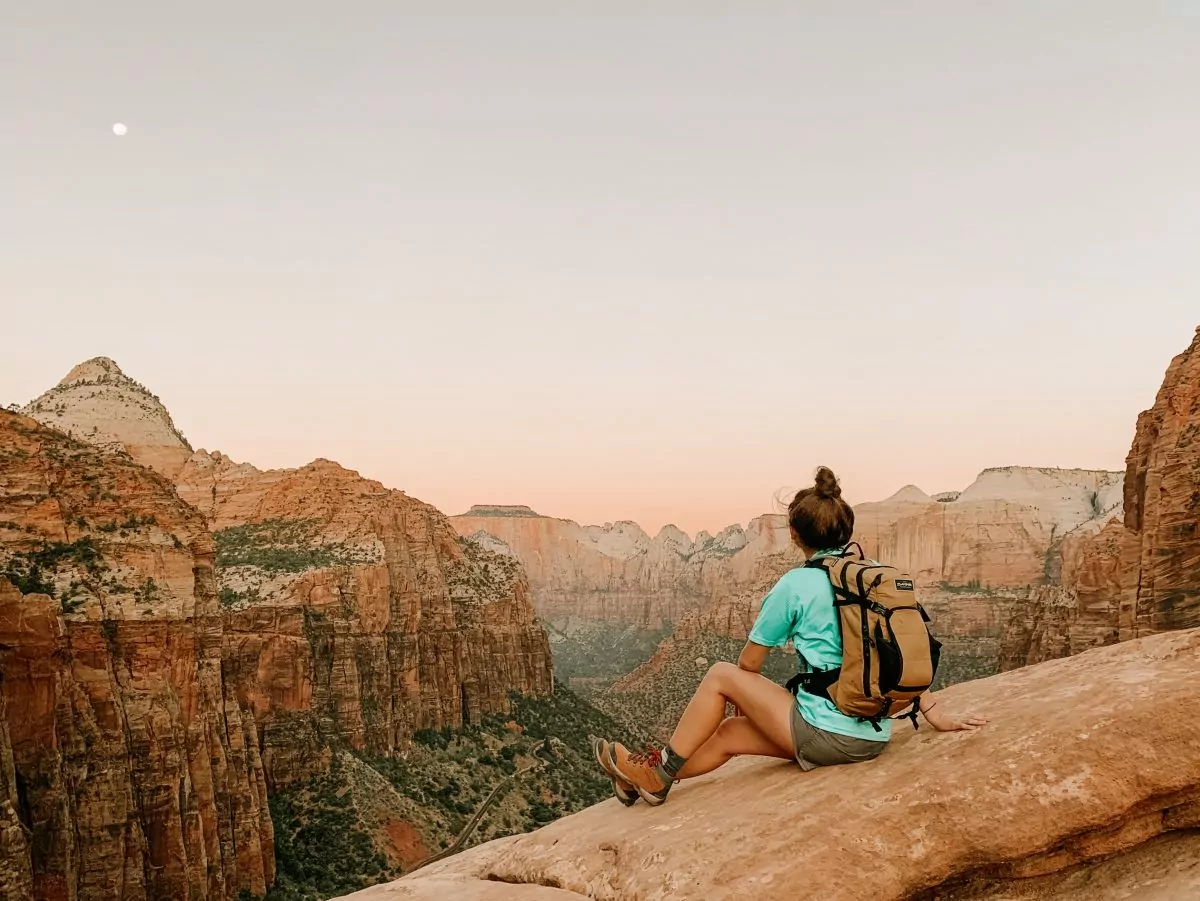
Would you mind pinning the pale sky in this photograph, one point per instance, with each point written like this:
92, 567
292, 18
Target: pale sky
614, 261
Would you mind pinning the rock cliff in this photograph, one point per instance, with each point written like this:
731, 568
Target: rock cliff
616, 572
128, 767
1141, 575
98, 403
1003, 531
1162, 502
1048, 791
355, 613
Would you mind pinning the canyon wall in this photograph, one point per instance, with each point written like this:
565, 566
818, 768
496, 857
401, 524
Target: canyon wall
128, 767
350, 612
180, 633
1142, 575
1001, 532
354, 612
616, 572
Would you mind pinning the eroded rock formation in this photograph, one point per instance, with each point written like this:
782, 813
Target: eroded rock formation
616, 572
128, 768
1051, 787
1002, 532
354, 612
98, 403
1143, 575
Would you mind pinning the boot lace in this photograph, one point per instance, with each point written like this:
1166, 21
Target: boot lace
651, 757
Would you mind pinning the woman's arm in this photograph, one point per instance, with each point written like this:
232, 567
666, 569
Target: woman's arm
944, 721
753, 657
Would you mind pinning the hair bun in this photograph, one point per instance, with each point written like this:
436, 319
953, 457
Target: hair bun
826, 484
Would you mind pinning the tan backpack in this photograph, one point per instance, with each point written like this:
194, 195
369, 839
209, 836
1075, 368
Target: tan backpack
889, 657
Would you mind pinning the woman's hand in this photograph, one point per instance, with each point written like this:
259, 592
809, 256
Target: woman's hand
948, 722
954, 724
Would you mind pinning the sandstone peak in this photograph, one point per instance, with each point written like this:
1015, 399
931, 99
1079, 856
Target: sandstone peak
672, 532
93, 370
909, 494
98, 403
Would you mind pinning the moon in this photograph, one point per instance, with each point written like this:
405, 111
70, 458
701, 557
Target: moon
119, 129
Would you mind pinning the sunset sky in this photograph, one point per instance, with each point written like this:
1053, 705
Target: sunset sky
655, 264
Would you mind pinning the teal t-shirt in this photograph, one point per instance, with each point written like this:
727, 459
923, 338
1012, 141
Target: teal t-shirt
800, 609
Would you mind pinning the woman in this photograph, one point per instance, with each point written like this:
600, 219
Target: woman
769, 721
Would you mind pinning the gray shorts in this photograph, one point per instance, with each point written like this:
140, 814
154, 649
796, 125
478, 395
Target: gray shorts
816, 747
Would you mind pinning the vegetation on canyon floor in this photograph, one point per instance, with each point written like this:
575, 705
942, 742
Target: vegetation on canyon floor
589, 658
653, 701
370, 819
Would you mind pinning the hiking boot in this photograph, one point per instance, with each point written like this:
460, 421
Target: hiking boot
643, 771
625, 792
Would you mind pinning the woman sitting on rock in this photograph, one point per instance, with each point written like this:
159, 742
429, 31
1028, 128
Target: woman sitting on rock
806, 728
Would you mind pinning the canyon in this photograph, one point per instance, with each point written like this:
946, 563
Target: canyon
182, 637
633, 619
194, 651
1024, 565
131, 766
999, 533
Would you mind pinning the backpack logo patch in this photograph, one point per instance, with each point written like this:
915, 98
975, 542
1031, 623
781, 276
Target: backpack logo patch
905, 585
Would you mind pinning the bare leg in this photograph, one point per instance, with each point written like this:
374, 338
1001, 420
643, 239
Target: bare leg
765, 704
734, 736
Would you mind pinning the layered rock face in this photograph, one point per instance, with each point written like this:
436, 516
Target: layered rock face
128, 767
1162, 502
355, 613
1048, 790
99, 404
1142, 576
616, 572
1002, 531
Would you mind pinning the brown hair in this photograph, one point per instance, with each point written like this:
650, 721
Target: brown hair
819, 518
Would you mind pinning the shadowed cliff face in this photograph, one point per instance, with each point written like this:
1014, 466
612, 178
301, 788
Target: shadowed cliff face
1142, 577
354, 613
128, 769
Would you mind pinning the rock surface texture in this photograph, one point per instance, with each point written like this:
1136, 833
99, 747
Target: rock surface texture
1065, 775
128, 767
1142, 575
98, 403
